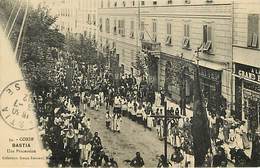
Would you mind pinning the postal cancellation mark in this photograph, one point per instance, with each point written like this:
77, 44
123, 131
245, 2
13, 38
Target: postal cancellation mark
16, 106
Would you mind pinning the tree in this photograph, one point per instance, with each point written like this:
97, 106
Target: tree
200, 125
39, 36
141, 64
84, 48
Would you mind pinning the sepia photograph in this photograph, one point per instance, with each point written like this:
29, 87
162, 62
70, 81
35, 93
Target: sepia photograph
129, 83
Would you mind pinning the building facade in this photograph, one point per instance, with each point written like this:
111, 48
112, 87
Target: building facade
171, 33
246, 66
175, 37
74, 16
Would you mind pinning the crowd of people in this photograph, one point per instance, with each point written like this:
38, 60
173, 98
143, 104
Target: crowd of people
93, 87
64, 127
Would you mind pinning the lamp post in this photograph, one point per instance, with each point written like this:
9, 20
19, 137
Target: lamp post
165, 118
183, 90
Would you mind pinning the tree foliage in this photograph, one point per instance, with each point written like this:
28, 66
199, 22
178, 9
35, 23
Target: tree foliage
83, 48
38, 37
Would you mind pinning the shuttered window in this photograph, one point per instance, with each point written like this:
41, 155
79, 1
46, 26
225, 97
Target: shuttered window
168, 40
169, 28
205, 34
121, 27
107, 25
207, 38
154, 38
186, 30
154, 27
132, 25
132, 29
115, 27
253, 31
186, 40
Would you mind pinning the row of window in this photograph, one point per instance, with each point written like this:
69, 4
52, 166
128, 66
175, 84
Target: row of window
65, 12
207, 29
119, 27
133, 3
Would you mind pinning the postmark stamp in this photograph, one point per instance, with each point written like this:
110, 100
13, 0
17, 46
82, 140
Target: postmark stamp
16, 105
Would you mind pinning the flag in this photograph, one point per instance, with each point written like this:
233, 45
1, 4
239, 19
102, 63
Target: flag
200, 126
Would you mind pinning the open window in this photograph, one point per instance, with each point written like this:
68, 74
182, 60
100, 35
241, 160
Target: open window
207, 39
253, 31
168, 40
186, 39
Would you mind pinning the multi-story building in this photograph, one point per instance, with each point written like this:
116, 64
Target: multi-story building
246, 56
67, 13
90, 21
74, 16
171, 33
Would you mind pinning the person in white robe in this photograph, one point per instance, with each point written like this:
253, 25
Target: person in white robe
238, 139
101, 95
119, 123
97, 102
92, 102
149, 121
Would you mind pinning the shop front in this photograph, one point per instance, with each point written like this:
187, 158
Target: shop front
177, 77
210, 83
247, 93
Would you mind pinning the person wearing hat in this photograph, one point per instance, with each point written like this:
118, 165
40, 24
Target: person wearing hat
163, 162
177, 157
220, 159
96, 141
137, 161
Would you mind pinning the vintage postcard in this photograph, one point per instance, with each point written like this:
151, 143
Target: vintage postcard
129, 83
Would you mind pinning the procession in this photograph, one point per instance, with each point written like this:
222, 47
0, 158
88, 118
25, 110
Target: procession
65, 126
120, 83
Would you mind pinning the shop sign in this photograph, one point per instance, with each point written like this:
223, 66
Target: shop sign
210, 74
248, 72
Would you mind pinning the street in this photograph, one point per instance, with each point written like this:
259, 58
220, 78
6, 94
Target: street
191, 84
132, 138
